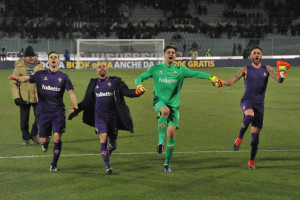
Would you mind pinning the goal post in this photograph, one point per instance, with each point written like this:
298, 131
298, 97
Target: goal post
118, 49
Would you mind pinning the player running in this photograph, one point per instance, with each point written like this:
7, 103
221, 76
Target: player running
252, 103
168, 79
51, 85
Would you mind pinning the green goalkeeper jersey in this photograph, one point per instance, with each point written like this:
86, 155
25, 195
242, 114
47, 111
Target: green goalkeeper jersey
168, 80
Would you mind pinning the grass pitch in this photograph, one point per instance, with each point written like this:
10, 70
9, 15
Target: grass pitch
204, 164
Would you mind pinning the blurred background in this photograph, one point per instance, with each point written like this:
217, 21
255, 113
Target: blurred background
225, 27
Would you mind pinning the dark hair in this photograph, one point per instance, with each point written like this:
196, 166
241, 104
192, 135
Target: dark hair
255, 48
53, 52
170, 46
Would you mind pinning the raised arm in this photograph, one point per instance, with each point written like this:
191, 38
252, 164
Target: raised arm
233, 80
274, 75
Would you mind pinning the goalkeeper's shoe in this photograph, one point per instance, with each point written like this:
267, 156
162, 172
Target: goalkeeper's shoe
237, 143
109, 170
167, 168
251, 164
160, 148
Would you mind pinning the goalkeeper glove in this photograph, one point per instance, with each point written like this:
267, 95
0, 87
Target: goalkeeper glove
140, 90
73, 114
282, 67
216, 82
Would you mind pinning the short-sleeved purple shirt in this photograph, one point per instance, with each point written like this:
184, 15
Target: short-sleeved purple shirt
51, 87
105, 104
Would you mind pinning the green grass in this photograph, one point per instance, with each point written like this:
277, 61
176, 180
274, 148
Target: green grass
204, 165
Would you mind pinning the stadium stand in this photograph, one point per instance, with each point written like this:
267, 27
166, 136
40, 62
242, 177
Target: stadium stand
220, 25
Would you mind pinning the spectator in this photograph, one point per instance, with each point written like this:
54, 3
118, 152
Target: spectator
67, 55
207, 53
21, 53
24, 94
193, 54
3, 54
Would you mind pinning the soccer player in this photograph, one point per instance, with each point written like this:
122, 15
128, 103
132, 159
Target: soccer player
168, 79
252, 103
24, 94
105, 108
51, 85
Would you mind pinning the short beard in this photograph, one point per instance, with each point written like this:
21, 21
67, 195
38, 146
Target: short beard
254, 61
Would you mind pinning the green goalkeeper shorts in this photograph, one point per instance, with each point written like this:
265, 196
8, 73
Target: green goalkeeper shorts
173, 118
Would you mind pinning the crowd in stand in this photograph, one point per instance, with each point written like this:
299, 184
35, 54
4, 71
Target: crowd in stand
70, 19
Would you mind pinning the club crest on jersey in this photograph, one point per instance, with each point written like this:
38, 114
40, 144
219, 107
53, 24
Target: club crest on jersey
175, 72
109, 84
161, 72
45, 78
59, 80
162, 125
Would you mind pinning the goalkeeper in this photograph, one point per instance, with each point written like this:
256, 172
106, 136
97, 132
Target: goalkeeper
168, 79
252, 103
105, 109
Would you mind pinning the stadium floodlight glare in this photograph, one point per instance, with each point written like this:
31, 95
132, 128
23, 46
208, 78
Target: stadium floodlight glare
119, 49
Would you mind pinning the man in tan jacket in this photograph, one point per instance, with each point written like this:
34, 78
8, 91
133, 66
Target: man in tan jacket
25, 94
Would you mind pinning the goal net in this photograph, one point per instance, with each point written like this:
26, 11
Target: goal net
119, 50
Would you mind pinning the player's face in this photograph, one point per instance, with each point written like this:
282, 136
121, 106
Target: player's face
30, 59
53, 60
102, 70
256, 56
170, 56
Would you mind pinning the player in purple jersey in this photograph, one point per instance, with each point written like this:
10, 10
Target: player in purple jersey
51, 85
105, 109
252, 103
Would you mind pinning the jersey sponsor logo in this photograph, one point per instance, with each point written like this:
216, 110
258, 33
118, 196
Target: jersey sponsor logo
48, 87
165, 80
104, 94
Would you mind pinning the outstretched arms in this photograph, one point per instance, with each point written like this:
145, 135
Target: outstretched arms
233, 80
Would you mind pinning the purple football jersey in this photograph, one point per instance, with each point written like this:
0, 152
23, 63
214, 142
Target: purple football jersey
51, 87
256, 84
105, 104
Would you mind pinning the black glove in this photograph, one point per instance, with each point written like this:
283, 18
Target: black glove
73, 114
19, 102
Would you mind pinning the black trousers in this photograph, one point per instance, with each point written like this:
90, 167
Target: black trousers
24, 117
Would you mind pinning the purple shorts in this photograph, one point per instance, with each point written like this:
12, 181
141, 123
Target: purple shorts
108, 126
258, 110
51, 122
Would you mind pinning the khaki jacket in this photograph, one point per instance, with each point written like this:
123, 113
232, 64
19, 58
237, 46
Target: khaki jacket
26, 91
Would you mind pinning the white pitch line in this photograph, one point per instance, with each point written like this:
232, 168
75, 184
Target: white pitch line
143, 153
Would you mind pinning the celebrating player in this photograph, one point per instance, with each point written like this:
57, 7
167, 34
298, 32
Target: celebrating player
168, 79
105, 108
252, 103
51, 85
